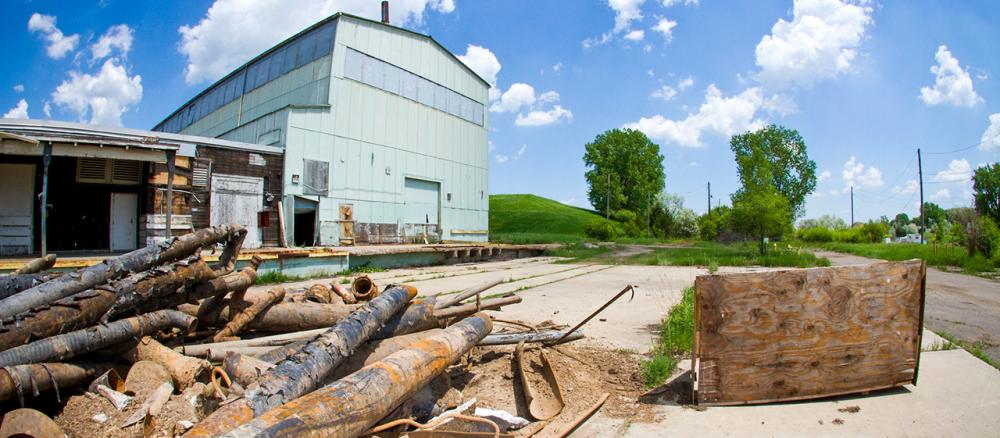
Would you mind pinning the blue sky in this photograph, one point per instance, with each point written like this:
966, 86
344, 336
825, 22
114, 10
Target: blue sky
853, 77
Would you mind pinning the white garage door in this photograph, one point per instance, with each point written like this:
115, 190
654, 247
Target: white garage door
236, 200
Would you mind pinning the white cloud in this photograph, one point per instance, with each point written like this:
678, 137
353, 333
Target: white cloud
542, 118
991, 137
693, 164
683, 84
520, 151
594, 42
952, 83
941, 195
909, 188
665, 92
557, 68
117, 37
517, 96
482, 61
957, 171
626, 11
824, 175
104, 96
47, 109
58, 44
501, 158
819, 43
19, 111
780, 104
212, 48
856, 174
650, 72
719, 115
635, 35
568, 201
669, 3
19, 88
665, 27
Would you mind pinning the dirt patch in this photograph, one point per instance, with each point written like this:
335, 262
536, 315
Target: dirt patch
77, 418
584, 371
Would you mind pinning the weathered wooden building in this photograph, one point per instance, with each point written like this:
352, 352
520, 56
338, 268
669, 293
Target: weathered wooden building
112, 189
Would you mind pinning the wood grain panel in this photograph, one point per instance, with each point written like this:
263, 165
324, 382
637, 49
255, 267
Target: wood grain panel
805, 333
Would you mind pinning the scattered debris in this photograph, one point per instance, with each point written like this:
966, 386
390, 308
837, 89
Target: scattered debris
850, 409
837, 421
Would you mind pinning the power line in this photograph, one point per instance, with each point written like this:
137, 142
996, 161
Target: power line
955, 150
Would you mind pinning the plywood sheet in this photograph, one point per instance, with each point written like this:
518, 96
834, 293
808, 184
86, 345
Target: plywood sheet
805, 333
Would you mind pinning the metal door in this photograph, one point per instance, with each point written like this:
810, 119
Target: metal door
124, 209
237, 200
422, 202
17, 188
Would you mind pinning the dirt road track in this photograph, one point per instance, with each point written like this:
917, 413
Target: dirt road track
965, 306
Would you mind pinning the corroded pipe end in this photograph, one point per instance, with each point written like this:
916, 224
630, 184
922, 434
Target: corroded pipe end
411, 291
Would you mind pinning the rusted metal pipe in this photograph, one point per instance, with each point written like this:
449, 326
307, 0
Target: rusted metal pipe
240, 321
468, 309
350, 406
513, 338
184, 370
68, 314
114, 268
319, 293
444, 302
15, 283
244, 369
364, 288
305, 370
29, 423
72, 344
281, 317
19, 380
37, 265
339, 289
137, 289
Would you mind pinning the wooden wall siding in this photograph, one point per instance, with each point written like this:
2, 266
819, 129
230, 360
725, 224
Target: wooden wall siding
806, 333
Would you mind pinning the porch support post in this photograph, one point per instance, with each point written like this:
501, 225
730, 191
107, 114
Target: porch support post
46, 159
170, 190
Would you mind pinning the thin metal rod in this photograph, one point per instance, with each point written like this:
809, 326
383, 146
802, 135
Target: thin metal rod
592, 315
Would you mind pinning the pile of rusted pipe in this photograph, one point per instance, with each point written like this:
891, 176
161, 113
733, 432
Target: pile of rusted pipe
325, 360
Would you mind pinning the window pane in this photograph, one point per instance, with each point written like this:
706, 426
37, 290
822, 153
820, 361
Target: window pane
425, 91
307, 50
262, 71
409, 84
277, 63
454, 103
477, 116
374, 72
392, 78
324, 40
290, 53
440, 97
353, 65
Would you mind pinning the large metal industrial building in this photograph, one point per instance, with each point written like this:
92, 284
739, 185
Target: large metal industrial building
384, 134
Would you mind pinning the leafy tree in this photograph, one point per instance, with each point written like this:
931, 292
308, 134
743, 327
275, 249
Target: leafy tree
776, 156
827, 221
986, 188
715, 224
761, 212
632, 163
934, 213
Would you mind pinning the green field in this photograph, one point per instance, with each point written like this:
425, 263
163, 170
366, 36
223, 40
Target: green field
534, 219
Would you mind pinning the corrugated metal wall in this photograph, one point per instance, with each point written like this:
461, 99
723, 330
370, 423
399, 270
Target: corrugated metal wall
375, 140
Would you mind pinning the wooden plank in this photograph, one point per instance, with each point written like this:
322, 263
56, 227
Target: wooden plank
805, 333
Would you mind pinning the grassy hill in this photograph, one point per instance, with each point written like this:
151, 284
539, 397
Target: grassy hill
534, 219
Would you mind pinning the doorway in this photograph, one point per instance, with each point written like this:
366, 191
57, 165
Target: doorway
237, 199
124, 209
17, 188
305, 222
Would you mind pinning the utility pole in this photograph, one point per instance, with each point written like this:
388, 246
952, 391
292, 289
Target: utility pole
852, 206
709, 212
920, 174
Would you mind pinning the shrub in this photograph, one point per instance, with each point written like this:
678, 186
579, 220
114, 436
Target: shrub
816, 234
874, 232
602, 230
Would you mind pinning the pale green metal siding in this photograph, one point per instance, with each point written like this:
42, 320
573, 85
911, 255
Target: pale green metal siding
375, 140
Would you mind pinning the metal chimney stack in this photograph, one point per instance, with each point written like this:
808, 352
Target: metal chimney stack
385, 11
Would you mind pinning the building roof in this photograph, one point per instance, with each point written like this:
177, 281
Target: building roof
34, 131
306, 30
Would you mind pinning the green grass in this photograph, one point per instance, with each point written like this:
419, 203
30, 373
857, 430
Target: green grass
974, 348
275, 277
739, 254
534, 219
934, 254
675, 339
579, 251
